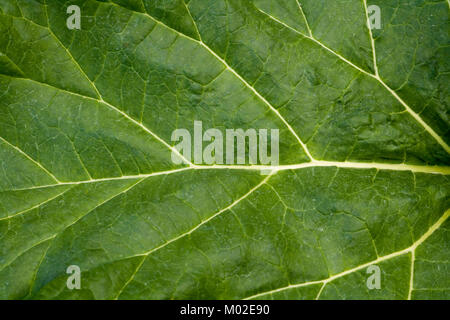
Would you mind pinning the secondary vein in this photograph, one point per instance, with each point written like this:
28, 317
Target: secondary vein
410, 250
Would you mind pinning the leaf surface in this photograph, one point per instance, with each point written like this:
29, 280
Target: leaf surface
86, 176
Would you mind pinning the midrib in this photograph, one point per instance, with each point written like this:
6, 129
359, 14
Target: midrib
444, 170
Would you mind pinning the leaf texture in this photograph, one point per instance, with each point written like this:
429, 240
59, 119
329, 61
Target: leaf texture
86, 176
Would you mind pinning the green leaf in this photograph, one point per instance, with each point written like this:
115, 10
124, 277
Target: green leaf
86, 176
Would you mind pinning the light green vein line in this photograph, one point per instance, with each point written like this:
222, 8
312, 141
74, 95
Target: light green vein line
146, 254
139, 176
193, 21
36, 206
30, 158
317, 163
33, 281
430, 131
410, 249
304, 17
100, 98
372, 42
77, 65
74, 222
25, 251
411, 274
201, 43
14, 64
